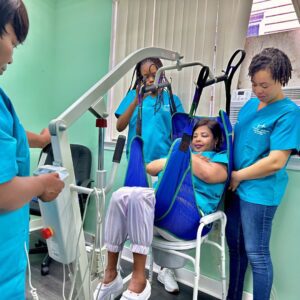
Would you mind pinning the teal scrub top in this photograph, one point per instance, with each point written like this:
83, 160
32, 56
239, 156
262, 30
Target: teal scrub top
14, 225
256, 133
208, 195
156, 126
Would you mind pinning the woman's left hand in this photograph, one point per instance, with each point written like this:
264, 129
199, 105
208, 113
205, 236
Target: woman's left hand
235, 181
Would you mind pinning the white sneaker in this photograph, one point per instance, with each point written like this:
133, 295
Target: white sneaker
110, 290
144, 295
167, 278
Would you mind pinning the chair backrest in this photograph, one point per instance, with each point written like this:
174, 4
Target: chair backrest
81, 157
82, 163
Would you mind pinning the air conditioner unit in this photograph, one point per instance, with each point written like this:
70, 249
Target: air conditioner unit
241, 96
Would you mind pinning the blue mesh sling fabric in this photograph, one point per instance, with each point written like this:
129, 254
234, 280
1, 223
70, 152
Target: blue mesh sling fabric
136, 171
178, 165
176, 209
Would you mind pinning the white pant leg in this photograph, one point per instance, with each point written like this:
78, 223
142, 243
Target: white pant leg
130, 213
115, 232
140, 219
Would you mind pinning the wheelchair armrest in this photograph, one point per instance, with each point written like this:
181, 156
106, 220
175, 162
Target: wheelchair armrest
218, 215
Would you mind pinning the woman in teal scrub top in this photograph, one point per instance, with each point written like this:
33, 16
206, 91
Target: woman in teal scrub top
17, 188
156, 112
266, 133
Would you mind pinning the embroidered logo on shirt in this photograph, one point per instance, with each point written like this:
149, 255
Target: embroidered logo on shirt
261, 129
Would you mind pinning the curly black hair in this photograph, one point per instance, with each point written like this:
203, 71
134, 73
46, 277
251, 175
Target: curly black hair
274, 60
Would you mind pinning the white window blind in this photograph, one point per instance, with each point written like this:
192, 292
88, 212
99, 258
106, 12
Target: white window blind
208, 31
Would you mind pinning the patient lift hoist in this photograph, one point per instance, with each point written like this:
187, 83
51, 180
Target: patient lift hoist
67, 245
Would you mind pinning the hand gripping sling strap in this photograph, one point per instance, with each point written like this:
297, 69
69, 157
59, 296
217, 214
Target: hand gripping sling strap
176, 210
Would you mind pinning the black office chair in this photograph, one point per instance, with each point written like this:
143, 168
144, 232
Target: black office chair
82, 162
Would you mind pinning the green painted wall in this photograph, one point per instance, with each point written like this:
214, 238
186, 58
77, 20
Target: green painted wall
82, 57
285, 243
66, 52
29, 80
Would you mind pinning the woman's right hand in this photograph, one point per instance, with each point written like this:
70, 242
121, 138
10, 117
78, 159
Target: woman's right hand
234, 181
138, 88
53, 186
124, 119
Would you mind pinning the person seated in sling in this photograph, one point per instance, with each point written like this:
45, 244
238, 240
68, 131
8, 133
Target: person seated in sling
131, 211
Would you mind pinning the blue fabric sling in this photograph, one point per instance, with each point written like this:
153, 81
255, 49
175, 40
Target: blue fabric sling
176, 210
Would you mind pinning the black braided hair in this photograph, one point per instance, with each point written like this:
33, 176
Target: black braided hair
139, 78
274, 60
153, 60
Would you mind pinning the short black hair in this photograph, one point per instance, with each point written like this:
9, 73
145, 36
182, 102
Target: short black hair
214, 127
14, 12
274, 60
